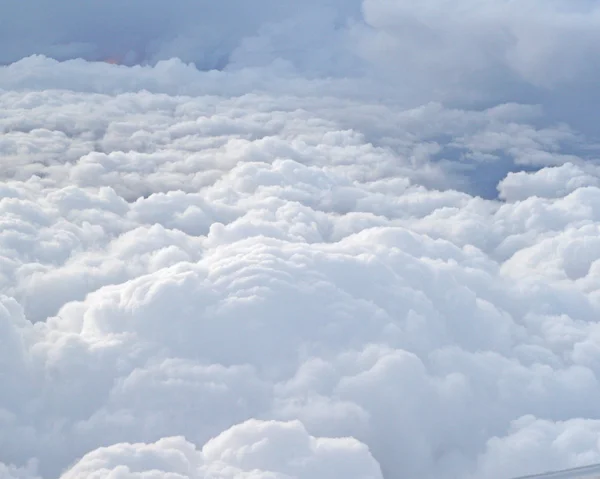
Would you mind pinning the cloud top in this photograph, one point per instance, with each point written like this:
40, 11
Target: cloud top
271, 240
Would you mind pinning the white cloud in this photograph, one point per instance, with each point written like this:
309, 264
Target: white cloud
305, 264
254, 449
547, 182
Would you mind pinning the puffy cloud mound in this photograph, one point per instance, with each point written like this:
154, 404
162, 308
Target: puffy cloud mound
318, 260
254, 449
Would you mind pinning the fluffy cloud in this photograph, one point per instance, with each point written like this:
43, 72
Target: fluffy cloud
254, 449
266, 271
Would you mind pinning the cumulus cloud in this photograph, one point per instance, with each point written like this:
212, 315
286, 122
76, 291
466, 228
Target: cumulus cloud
254, 249
253, 449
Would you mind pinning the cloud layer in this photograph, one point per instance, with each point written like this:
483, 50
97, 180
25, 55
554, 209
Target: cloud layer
485, 50
317, 260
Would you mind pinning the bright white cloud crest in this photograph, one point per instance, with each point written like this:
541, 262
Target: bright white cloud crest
321, 260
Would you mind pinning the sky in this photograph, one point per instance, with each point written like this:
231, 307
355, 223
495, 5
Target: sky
276, 240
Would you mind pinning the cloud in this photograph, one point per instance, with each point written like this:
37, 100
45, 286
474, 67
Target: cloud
255, 249
253, 449
479, 37
469, 51
201, 32
547, 183
202, 261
